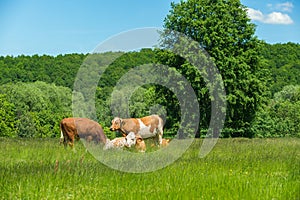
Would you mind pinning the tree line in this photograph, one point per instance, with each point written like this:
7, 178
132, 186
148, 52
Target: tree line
34, 101
261, 80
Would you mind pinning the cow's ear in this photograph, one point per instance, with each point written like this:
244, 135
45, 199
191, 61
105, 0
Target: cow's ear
122, 122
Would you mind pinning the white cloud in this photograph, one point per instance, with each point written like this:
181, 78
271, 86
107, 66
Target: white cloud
278, 18
284, 7
272, 18
256, 15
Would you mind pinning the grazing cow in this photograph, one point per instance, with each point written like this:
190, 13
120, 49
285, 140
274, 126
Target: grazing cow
75, 128
136, 140
146, 127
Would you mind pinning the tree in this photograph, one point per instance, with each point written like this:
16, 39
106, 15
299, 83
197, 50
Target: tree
222, 28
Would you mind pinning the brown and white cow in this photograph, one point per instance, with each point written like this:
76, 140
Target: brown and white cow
130, 140
136, 140
146, 127
75, 128
116, 143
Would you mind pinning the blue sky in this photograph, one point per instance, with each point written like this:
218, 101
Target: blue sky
77, 26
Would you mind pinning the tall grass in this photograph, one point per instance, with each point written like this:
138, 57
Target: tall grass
235, 169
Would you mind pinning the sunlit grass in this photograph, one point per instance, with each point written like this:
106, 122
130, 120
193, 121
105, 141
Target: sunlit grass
235, 169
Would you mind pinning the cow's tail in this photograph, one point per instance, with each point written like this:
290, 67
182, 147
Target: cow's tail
62, 137
61, 140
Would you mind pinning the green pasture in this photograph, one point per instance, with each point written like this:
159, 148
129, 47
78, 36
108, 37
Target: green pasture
234, 169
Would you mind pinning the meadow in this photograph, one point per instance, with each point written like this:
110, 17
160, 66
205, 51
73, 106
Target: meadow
236, 168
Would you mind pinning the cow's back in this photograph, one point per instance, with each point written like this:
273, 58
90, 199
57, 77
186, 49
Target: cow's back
131, 125
150, 126
154, 122
86, 127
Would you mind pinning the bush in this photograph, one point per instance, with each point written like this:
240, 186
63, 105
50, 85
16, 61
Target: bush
281, 117
33, 109
7, 117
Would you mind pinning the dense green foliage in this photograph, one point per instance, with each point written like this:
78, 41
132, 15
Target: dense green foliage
34, 109
226, 34
7, 116
36, 91
42, 169
281, 117
283, 60
60, 70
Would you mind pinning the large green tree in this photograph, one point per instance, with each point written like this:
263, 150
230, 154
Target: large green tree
223, 29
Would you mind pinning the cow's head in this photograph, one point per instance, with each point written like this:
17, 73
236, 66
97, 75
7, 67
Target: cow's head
116, 124
130, 139
133, 139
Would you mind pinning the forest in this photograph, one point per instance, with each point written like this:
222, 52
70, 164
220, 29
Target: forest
256, 92
36, 93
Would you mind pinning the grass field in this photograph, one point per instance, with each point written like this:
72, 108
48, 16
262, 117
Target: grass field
234, 169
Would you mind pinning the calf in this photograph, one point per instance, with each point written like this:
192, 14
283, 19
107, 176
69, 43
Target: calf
116, 143
136, 140
75, 128
146, 127
130, 140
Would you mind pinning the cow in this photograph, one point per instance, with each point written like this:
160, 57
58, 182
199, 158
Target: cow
130, 140
116, 143
146, 127
75, 128
136, 140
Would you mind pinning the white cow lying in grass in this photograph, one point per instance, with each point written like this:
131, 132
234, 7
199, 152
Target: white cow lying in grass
116, 143
130, 140
135, 140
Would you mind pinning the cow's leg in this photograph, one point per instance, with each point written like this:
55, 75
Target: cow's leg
89, 139
160, 132
71, 144
159, 139
65, 142
71, 141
